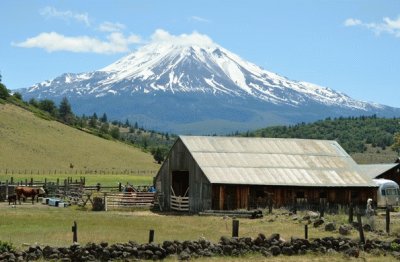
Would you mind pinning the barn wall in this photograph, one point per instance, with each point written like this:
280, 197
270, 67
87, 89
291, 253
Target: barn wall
392, 174
180, 159
229, 197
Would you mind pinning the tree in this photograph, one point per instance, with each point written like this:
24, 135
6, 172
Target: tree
93, 122
48, 106
4, 93
103, 118
396, 144
33, 102
158, 155
115, 132
104, 128
65, 112
17, 95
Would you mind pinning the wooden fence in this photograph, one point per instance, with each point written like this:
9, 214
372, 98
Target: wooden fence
179, 203
129, 199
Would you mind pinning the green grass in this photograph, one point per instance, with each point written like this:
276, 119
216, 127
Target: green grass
91, 179
29, 224
28, 142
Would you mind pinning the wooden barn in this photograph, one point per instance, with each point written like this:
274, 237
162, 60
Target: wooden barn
228, 173
386, 171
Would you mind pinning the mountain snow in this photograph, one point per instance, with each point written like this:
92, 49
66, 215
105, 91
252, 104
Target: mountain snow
192, 67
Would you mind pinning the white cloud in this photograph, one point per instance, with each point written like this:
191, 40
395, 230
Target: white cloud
50, 12
199, 19
162, 36
52, 42
111, 27
388, 25
352, 22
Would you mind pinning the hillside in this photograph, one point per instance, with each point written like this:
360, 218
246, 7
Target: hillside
30, 142
366, 139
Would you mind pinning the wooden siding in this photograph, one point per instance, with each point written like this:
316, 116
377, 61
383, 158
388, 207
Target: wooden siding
205, 196
179, 159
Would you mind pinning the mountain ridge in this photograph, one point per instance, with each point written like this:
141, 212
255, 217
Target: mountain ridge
208, 82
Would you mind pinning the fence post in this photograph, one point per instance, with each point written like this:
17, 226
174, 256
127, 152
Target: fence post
235, 228
75, 232
105, 201
151, 236
306, 231
351, 213
388, 219
360, 228
6, 189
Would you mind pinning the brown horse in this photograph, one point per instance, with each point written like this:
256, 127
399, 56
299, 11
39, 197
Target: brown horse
29, 192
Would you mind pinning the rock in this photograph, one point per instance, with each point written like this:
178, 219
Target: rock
184, 256
227, 249
344, 230
273, 237
330, 226
318, 222
312, 215
287, 250
225, 240
275, 250
352, 252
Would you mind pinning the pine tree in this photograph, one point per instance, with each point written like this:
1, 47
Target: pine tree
4, 93
158, 156
65, 112
103, 118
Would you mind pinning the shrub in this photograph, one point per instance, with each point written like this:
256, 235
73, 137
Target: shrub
6, 246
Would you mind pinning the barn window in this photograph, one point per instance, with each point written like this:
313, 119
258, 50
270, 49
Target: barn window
300, 194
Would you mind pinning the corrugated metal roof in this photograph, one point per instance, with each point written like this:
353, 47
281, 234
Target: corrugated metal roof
275, 161
373, 171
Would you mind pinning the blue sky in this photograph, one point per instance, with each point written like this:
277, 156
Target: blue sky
349, 46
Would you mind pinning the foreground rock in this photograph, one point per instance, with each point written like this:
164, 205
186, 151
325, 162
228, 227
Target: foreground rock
273, 245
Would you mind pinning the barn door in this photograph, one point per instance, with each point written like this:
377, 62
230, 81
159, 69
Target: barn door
180, 183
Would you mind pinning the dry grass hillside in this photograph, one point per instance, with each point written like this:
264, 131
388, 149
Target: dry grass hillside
30, 142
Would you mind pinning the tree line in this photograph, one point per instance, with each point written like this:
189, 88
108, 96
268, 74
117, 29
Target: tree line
352, 133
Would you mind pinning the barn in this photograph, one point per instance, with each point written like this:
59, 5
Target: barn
227, 173
386, 171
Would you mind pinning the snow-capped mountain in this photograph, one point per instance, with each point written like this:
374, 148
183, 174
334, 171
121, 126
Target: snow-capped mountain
189, 84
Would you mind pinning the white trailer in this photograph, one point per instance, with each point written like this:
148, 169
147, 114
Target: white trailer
388, 193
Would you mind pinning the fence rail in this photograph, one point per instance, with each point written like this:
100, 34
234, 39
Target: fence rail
129, 199
179, 203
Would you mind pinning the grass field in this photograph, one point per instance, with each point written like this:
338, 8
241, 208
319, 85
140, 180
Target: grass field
29, 224
32, 143
91, 179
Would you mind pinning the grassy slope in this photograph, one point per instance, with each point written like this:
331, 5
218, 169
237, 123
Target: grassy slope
29, 142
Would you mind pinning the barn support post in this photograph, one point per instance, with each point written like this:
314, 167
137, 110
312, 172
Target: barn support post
360, 228
75, 233
235, 228
351, 213
388, 219
151, 235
